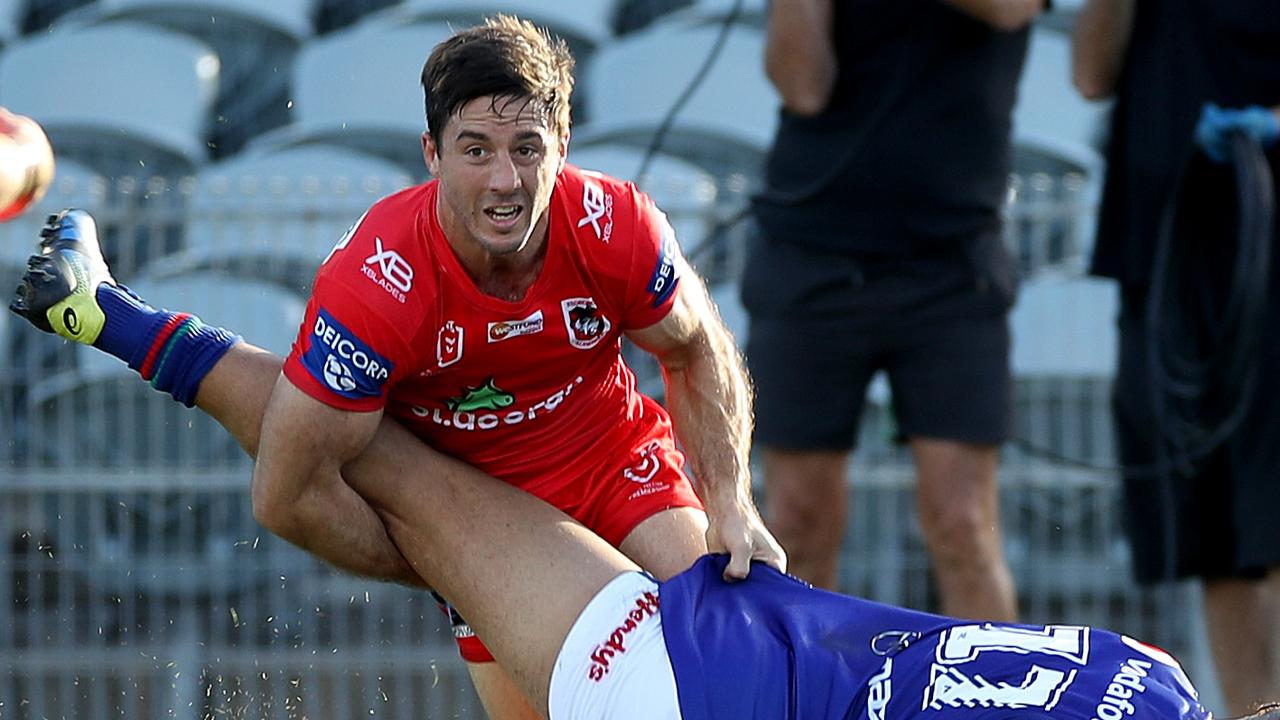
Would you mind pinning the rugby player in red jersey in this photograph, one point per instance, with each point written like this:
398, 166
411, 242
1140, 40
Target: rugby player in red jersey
484, 311
586, 635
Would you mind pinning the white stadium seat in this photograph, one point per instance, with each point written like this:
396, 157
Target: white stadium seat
291, 18
274, 217
750, 11
11, 12
685, 192
255, 42
102, 394
129, 99
360, 88
584, 24
1063, 325
728, 123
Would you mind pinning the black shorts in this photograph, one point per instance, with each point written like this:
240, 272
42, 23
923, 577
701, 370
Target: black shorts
822, 324
1222, 520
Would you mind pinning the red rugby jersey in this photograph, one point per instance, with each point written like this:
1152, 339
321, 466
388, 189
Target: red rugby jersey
533, 392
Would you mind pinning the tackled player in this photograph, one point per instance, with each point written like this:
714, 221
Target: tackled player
590, 635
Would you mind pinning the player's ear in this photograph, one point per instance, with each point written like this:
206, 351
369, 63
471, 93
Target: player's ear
562, 143
430, 154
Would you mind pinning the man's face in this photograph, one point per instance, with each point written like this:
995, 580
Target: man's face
497, 163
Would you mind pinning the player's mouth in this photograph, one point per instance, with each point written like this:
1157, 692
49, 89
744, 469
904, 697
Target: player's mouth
504, 216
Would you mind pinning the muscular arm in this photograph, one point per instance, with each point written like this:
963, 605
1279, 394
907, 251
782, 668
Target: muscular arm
710, 404
1007, 15
800, 55
1098, 44
299, 492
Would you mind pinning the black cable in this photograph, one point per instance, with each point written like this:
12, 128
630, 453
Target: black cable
1184, 368
660, 134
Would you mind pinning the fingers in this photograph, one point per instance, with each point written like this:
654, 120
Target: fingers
751, 544
772, 554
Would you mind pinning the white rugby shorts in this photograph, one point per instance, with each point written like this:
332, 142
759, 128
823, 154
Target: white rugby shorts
614, 663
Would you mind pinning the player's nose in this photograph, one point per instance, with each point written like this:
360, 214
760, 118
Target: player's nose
504, 177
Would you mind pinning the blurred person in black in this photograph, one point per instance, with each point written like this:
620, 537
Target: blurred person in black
1185, 74
881, 249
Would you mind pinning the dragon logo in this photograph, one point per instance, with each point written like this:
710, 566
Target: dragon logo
587, 326
487, 396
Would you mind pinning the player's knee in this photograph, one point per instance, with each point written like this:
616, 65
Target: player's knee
270, 510
961, 533
801, 516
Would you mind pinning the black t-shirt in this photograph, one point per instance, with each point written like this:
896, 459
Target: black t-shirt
1182, 54
913, 148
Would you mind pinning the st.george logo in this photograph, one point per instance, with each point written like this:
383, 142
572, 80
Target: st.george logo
587, 326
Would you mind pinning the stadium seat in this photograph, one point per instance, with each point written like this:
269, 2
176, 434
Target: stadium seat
360, 88
274, 217
584, 24
727, 124
101, 395
108, 103
334, 15
752, 12
11, 13
634, 15
685, 192
255, 42
1049, 342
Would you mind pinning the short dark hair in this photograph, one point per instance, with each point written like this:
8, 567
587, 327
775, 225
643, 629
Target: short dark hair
507, 58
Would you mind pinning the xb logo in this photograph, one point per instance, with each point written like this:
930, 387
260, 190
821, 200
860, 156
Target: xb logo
396, 271
593, 203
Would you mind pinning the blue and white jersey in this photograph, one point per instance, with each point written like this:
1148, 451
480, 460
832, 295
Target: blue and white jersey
772, 647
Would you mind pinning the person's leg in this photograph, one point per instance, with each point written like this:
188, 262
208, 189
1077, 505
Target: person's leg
529, 569
669, 542
1243, 618
806, 503
234, 390
960, 516
498, 694
952, 394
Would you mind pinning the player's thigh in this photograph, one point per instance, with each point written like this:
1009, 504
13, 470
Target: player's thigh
668, 542
951, 380
614, 665
498, 694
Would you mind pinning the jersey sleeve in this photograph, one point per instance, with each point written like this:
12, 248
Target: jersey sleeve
354, 344
654, 270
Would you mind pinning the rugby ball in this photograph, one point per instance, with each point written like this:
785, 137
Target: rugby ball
26, 163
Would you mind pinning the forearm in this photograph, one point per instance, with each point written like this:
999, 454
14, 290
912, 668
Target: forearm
1098, 45
1005, 15
710, 405
800, 56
